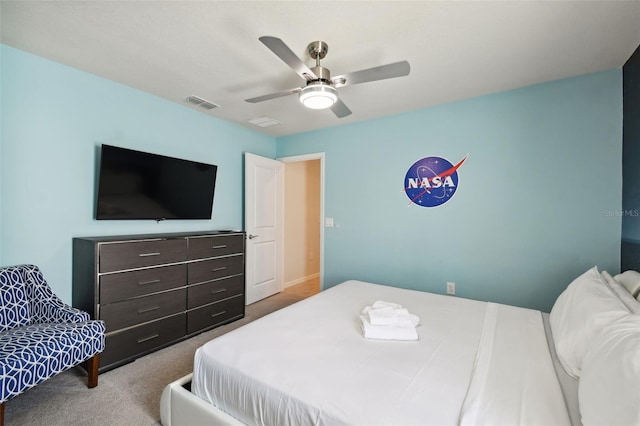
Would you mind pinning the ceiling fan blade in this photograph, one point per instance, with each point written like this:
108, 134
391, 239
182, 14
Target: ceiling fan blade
396, 69
272, 95
283, 52
340, 109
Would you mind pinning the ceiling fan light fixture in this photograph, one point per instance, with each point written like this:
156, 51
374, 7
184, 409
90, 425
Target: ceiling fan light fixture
318, 95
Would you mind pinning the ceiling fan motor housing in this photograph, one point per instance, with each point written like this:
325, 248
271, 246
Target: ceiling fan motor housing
322, 73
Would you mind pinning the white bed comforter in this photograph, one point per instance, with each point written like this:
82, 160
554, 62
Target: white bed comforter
475, 363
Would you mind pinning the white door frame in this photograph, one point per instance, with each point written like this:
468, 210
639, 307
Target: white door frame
307, 157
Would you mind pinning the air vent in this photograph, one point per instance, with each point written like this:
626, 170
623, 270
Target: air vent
202, 103
264, 121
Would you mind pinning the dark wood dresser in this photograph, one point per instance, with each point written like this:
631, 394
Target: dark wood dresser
155, 290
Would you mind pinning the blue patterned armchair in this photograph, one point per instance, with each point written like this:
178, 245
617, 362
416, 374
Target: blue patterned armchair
39, 335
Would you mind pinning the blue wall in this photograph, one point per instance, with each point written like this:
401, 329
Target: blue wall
1, 134
531, 211
54, 118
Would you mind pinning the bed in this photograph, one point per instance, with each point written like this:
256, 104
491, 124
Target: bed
474, 363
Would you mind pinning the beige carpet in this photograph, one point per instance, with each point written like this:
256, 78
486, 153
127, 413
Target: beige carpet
128, 395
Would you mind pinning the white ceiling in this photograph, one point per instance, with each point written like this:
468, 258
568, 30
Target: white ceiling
457, 49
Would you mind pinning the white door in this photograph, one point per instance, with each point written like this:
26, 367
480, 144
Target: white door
263, 222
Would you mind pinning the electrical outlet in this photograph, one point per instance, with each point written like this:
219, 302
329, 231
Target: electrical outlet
451, 288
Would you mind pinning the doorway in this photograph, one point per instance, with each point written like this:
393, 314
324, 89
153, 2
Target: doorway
303, 219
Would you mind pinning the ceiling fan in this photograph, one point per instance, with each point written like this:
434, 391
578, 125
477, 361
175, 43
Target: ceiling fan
320, 89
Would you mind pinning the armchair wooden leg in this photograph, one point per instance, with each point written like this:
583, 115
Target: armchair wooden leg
92, 371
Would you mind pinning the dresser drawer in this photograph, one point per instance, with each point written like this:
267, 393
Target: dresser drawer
138, 254
204, 247
208, 270
137, 340
125, 285
135, 311
215, 314
201, 294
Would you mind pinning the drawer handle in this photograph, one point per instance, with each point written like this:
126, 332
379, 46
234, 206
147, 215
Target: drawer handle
222, 268
148, 282
219, 313
219, 291
219, 247
149, 254
146, 339
143, 311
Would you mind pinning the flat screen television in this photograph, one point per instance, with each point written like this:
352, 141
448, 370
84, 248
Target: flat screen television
140, 185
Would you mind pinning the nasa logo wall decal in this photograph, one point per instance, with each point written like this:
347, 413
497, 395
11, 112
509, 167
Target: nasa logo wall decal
431, 181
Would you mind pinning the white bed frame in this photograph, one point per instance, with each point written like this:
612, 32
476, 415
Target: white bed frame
178, 407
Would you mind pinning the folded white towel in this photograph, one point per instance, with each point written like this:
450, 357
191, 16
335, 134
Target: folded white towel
387, 332
382, 304
387, 313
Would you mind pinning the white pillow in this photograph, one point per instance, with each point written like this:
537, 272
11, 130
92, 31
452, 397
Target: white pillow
579, 314
625, 297
631, 281
609, 388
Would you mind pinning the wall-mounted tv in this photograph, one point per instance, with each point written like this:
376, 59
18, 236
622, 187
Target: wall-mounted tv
140, 185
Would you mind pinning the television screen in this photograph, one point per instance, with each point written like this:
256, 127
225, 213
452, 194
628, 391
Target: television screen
140, 185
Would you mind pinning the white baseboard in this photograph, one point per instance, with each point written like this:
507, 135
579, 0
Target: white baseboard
301, 280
